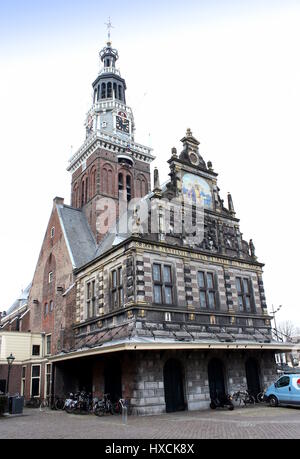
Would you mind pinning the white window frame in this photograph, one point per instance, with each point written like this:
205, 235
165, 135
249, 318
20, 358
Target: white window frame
46, 343
46, 374
52, 233
39, 355
23, 380
35, 377
50, 278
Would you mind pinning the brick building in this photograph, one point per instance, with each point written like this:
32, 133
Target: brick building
132, 301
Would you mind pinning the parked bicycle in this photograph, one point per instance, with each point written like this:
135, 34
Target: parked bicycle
33, 402
261, 397
221, 400
104, 406
243, 396
79, 403
45, 403
59, 403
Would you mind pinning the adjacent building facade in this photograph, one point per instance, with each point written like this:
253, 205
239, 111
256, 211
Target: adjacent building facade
150, 293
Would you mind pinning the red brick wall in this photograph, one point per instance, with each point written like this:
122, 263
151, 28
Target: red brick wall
53, 257
102, 171
25, 322
14, 379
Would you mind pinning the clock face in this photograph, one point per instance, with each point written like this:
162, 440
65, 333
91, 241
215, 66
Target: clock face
123, 124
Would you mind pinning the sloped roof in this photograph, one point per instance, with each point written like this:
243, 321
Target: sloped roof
78, 235
20, 301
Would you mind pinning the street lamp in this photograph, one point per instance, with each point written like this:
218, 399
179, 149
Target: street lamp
10, 361
274, 311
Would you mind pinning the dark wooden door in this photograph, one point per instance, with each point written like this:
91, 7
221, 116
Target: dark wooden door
252, 375
174, 395
216, 378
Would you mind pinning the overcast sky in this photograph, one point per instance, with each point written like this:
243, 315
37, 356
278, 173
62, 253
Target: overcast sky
229, 70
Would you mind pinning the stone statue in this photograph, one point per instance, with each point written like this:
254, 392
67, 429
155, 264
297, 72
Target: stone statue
252, 249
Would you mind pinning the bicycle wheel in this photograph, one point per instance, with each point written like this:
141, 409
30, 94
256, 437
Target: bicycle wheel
59, 404
239, 400
44, 404
36, 402
249, 400
99, 410
260, 397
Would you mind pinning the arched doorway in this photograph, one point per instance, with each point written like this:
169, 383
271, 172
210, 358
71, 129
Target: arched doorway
113, 379
252, 375
174, 395
216, 378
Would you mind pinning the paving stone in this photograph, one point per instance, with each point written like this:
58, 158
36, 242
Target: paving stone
261, 422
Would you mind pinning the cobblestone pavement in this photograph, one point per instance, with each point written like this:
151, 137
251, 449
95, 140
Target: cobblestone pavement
251, 422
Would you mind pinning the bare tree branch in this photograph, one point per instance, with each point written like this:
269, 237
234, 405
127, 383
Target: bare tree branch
288, 330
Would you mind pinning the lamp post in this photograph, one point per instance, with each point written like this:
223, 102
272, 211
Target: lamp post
274, 311
10, 361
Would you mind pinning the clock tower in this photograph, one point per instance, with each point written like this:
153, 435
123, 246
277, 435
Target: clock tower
110, 163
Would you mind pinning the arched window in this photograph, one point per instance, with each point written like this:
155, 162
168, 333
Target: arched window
110, 182
104, 180
75, 195
93, 182
103, 91
107, 63
95, 94
107, 180
84, 191
115, 90
82, 194
109, 90
121, 183
98, 93
120, 93
128, 187
142, 186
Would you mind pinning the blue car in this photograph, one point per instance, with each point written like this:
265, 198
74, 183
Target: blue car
285, 391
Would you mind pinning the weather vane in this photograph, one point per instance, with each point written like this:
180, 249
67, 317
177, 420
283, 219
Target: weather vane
109, 27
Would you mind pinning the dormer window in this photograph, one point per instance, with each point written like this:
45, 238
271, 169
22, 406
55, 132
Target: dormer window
50, 277
52, 232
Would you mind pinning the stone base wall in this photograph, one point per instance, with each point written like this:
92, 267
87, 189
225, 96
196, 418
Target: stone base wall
142, 375
148, 396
